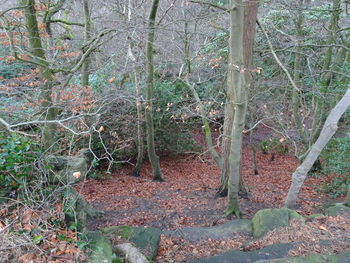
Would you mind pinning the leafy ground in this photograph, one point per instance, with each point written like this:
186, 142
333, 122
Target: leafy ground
186, 198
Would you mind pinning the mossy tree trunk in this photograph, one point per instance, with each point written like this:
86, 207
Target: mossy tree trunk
87, 36
153, 158
38, 53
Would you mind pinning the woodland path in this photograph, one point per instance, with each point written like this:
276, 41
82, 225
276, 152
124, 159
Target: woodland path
186, 198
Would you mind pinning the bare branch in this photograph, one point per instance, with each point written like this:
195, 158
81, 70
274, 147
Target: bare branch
209, 4
276, 57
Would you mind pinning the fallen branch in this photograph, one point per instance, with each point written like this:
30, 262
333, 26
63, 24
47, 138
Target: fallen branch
132, 254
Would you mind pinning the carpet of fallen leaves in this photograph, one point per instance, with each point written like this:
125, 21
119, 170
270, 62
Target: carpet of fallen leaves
186, 198
28, 235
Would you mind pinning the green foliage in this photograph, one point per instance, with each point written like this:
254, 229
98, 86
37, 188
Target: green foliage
218, 46
336, 159
273, 145
11, 69
172, 128
17, 157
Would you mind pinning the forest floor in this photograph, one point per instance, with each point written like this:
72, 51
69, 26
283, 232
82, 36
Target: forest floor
187, 198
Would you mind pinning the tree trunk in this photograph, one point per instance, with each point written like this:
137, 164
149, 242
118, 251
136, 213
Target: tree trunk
296, 76
236, 84
153, 158
35, 42
140, 146
87, 36
347, 200
326, 77
250, 16
328, 130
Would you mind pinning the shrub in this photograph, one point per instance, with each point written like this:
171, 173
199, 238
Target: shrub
336, 159
273, 145
17, 157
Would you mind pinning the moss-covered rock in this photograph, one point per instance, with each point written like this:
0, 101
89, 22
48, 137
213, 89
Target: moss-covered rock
337, 210
268, 219
144, 238
77, 210
68, 169
100, 248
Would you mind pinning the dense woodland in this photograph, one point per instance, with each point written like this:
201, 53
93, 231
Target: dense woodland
186, 119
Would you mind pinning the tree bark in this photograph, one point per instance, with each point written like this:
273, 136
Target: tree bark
347, 200
140, 146
35, 42
328, 130
87, 37
153, 158
250, 16
236, 84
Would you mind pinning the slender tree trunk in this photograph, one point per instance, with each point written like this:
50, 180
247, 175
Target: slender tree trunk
206, 128
87, 36
347, 200
153, 158
140, 146
328, 130
297, 75
35, 42
253, 151
326, 77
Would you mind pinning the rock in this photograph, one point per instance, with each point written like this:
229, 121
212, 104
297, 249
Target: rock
234, 256
337, 210
100, 248
268, 219
215, 232
313, 216
339, 258
144, 238
68, 169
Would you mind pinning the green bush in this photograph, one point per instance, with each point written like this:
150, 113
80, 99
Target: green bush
17, 157
336, 159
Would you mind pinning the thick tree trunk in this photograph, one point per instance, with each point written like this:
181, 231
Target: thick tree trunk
250, 16
153, 158
236, 84
328, 130
35, 42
